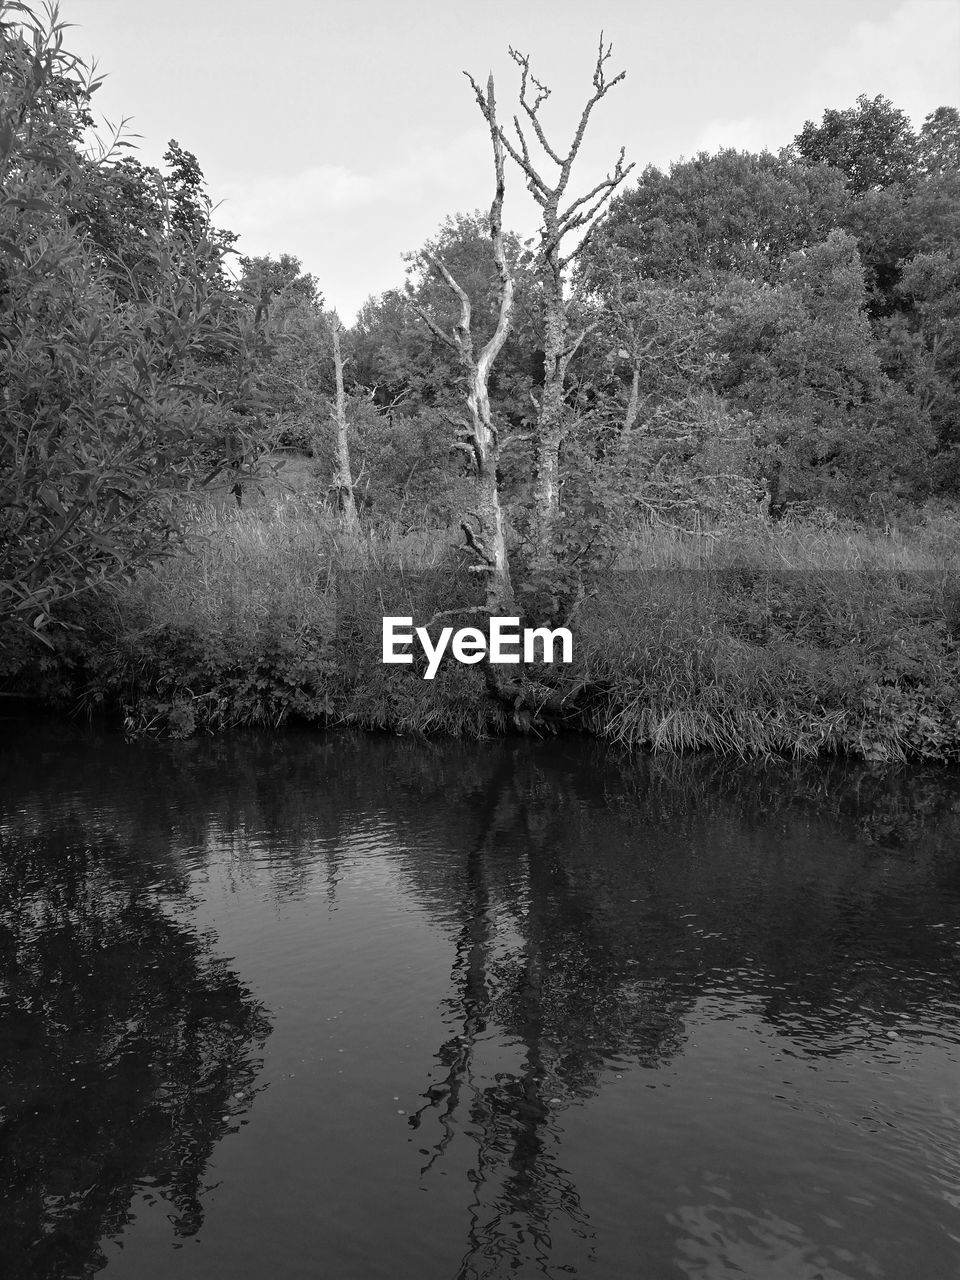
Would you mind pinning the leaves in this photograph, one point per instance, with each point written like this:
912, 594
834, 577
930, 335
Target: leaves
109, 358
872, 143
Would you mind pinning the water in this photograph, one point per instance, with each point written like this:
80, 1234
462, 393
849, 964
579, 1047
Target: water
332, 1005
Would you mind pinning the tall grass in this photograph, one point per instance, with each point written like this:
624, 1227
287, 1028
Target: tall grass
795, 545
749, 639
796, 637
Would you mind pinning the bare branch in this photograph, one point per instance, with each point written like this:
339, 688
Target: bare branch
571, 350
543, 93
460, 340
607, 185
523, 62
588, 219
434, 328
518, 437
535, 184
602, 57
504, 320
585, 238
584, 241
538, 188
602, 87
462, 329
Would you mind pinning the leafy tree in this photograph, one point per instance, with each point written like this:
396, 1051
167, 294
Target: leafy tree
283, 309
907, 236
185, 193
107, 416
873, 144
938, 152
279, 284
728, 221
921, 213
928, 340
802, 359
649, 338
399, 362
121, 205
404, 406
730, 213
118, 209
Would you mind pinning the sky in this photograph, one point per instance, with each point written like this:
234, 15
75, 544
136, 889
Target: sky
345, 133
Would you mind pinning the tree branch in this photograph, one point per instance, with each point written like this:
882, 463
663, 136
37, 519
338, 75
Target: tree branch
434, 328
538, 188
602, 86
543, 93
571, 350
518, 437
462, 329
493, 347
607, 185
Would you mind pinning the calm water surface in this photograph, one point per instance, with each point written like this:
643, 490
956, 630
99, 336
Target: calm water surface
326, 1005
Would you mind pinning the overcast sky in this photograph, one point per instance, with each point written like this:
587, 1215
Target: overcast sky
345, 132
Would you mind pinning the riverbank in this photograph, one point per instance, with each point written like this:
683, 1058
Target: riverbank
753, 639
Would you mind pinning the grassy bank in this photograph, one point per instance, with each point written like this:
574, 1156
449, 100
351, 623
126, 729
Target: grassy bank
751, 639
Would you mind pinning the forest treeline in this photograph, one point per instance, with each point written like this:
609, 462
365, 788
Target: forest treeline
741, 340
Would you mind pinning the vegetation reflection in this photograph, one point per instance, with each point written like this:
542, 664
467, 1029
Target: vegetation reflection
587, 949
129, 1049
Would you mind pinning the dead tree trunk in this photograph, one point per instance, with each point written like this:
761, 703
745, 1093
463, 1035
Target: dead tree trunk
633, 404
346, 502
487, 540
561, 339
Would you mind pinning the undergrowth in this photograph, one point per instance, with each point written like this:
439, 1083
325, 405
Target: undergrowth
753, 640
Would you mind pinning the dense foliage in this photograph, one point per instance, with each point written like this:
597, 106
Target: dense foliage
124, 373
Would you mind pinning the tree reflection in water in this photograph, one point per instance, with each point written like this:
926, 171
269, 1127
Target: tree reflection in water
543, 966
588, 964
128, 1049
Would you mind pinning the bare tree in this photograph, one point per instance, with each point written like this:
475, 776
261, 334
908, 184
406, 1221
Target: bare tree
343, 480
561, 340
487, 541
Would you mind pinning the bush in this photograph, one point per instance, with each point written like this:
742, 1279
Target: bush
109, 412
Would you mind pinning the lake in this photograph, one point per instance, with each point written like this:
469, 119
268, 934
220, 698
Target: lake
326, 1004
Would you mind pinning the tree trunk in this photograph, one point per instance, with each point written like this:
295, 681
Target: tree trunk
489, 509
633, 404
546, 476
488, 540
344, 476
